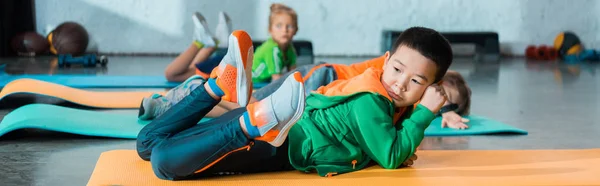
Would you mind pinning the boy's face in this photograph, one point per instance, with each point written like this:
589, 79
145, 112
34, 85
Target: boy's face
282, 29
406, 75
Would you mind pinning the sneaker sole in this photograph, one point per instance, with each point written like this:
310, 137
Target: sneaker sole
199, 19
280, 139
241, 79
143, 115
141, 111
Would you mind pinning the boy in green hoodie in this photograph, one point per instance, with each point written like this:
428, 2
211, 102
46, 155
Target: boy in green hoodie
341, 127
371, 117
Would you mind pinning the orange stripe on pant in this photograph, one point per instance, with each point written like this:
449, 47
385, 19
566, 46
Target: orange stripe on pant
247, 147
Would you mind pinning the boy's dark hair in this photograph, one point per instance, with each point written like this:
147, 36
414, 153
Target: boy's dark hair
430, 44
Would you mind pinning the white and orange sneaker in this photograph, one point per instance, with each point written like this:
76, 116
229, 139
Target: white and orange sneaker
275, 115
232, 79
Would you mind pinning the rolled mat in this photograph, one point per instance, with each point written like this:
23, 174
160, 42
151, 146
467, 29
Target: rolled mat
105, 124
433, 167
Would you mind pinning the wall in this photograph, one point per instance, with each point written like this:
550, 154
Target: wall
336, 27
141, 26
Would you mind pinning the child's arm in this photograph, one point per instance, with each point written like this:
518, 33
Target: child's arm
267, 64
274, 67
378, 136
389, 146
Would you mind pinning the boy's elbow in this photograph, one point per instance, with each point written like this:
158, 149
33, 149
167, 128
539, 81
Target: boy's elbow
389, 164
390, 167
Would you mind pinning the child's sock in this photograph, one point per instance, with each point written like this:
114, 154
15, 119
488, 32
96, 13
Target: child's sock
198, 44
251, 129
212, 83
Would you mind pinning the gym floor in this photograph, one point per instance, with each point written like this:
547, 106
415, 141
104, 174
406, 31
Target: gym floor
557, 104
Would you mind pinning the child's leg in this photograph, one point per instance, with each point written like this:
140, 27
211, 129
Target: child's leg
217, 111
202, 47
192, 151
274, 85
224, 144
179, 67
315, 76
182, 116
253, 161
321, 76
214, 147
157, 104
205, 63
229, 82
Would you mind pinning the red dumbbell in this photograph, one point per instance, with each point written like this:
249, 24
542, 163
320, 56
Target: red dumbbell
541, 52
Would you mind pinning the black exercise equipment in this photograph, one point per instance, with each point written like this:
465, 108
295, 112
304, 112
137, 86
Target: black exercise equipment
487, 45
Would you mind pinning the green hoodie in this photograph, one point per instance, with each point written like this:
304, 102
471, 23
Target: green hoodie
340, 134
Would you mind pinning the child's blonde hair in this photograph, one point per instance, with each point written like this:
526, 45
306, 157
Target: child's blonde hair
456, 80
278, 8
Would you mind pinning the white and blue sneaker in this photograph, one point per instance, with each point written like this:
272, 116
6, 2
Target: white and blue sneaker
157, 104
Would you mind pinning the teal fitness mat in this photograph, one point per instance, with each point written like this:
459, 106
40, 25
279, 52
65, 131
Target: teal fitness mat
478, 125
69, 120
103, 124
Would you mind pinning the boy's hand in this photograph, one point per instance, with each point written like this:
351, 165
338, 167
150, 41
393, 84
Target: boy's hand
434, 98
409, 162
453, 120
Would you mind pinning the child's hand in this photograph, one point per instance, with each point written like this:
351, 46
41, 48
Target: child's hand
434, 98
453, 120
409, 162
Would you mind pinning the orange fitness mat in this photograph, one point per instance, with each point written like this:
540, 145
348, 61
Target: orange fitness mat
433, 167
77, 96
